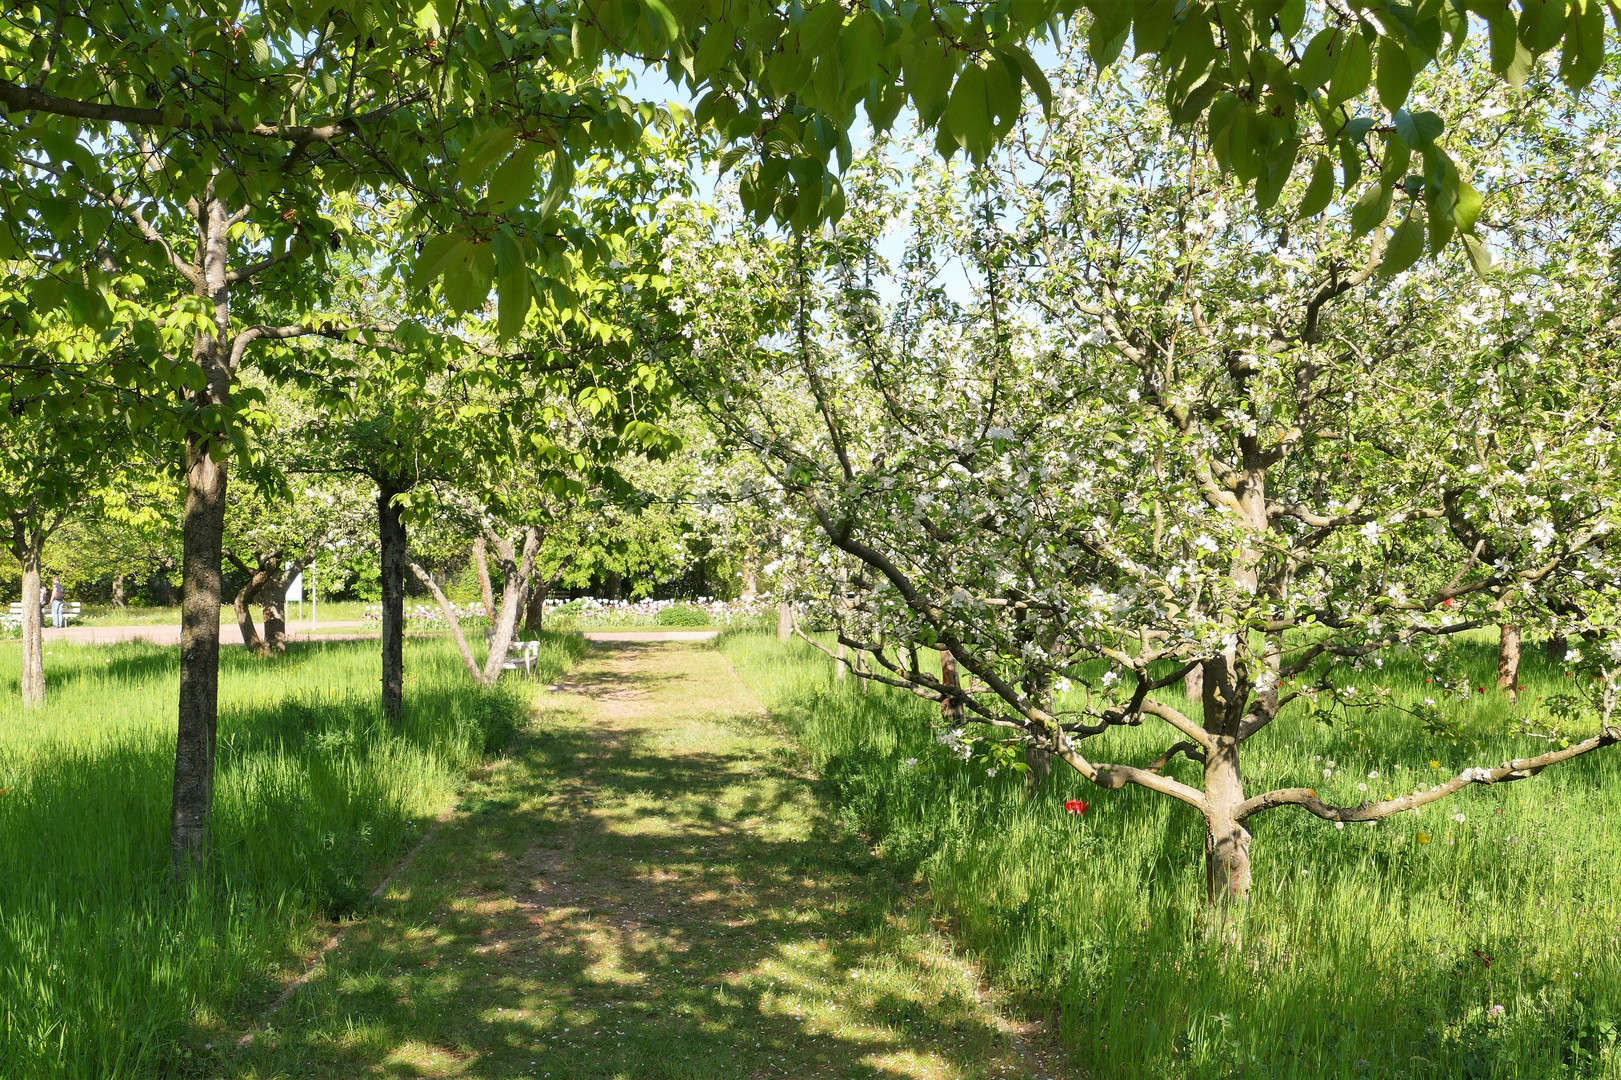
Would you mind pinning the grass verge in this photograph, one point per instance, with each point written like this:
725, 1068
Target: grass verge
108, 971
1477, 938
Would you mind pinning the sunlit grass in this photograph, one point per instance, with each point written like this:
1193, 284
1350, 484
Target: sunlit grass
1365, 950
106, 970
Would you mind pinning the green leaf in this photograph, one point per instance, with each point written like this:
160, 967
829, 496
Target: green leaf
1480, 256
969, 112
513, 300
484, 151
713, 51
1316, 66
1370, 210
819, 32
1406, 245
1395, 75
1033, 75
514, 181
436, 254
1320, 190
1291, 17
928, 71
660, 17
1467, 208
1353, 70
1583, 54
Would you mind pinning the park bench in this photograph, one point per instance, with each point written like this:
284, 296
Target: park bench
70, 611
522, 654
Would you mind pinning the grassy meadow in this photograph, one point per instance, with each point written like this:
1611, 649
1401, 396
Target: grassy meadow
1475, 938
106, 970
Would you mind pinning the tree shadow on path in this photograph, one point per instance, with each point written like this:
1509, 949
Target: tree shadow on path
645, 888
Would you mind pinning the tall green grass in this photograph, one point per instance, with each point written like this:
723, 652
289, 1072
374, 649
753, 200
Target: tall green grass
106, 969
1370, 951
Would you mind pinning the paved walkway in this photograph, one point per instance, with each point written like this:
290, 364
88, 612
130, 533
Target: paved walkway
647, 887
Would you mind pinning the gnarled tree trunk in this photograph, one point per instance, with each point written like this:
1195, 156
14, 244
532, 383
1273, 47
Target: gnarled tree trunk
519, 569
1227, 842
120, 601
266, 571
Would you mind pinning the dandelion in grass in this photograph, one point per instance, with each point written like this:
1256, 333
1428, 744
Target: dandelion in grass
1362, 787
1435, 764
1423, 837
1460, 818
1374, 775
1076, 806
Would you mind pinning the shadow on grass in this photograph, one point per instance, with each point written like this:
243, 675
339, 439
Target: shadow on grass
619, 910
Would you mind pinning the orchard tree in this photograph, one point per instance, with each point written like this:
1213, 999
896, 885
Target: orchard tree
1150, 427
60, 445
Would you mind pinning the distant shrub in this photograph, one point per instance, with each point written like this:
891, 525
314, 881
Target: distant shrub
682, 615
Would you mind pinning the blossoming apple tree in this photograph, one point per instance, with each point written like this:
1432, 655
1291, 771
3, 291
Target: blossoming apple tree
1102, 424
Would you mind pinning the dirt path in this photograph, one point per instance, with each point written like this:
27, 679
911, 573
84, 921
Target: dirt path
646, 887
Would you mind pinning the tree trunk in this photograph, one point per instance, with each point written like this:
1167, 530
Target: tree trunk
1227, 843
242, 602
950, 708
203, 532
202, 535
119, 599
751, 579
485, 589
1039, 759
1193, 683
534, 615
273, 606
615, 584
1508, 659
515, 589
785, 620
33, 671
838, 665
391, 534
1556, 647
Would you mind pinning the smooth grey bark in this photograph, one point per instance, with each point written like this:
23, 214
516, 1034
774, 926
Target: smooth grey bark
785, 620
393, 542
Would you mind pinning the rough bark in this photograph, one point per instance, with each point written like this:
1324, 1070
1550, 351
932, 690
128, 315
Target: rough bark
751, 579
273, 606
785, 620
33, 669
1508, 659
202, 533
1038, 758
486, 591
392, 538
1227, 842
838, 666
120, 601
1556, 647
534, 614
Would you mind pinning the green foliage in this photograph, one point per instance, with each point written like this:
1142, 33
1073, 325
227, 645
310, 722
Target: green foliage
682, 615
1379, 950
106, 974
